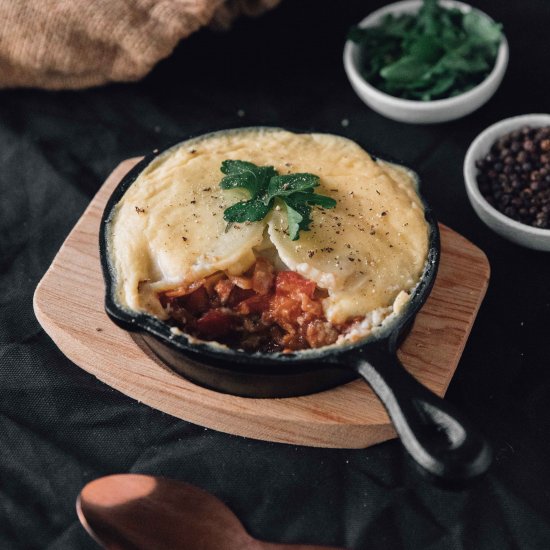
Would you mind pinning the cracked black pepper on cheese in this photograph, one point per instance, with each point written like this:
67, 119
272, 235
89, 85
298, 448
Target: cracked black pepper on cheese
368, 252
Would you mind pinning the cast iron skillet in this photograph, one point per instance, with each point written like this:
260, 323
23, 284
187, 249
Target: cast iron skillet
437, 437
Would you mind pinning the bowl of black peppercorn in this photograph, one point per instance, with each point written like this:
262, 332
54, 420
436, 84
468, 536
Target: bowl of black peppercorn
507, 176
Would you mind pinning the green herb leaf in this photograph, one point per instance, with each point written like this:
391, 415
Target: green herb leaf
300, 206
426, 49
294, 219
407, 69
457, 63
313, 198
441, 86
246, 175
282, 186
266, 187
480, 29
253, 210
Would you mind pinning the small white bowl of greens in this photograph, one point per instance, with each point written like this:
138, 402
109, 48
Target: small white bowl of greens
424, 61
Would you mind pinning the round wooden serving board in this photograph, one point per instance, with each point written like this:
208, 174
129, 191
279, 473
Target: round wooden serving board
68, 302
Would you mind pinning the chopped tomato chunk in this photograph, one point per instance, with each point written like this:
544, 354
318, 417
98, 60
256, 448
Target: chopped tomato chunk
215, 323
290, 283
285, 311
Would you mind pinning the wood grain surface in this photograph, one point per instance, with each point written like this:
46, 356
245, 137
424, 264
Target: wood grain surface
68, 303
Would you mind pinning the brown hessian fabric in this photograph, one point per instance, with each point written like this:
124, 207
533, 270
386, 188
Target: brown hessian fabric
57, 44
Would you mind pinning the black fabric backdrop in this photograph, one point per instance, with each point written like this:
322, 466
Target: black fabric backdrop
59, 427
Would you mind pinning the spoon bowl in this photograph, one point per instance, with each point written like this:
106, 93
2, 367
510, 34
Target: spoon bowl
140, 512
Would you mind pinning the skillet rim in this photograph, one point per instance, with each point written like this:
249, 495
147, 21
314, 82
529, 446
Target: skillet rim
277, 364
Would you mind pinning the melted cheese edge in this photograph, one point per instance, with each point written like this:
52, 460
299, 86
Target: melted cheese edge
369, 251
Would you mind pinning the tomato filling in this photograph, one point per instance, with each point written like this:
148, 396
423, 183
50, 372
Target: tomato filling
258, 311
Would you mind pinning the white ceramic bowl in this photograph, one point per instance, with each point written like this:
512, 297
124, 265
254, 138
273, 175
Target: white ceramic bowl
520, 233
421, 112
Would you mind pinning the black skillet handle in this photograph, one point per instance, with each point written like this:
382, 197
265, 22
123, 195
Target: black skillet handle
438, 437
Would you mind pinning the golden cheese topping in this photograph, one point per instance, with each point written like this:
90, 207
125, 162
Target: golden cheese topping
168, 228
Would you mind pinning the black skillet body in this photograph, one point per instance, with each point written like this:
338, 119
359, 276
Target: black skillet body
238, 372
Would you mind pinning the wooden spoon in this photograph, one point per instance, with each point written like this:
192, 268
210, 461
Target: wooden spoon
140, 512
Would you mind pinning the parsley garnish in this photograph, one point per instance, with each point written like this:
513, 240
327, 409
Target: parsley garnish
266, 187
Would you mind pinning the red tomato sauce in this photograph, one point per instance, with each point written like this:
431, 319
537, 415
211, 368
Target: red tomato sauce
258, 311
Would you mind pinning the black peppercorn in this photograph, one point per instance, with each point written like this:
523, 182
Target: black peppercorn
528, 145
514, 176
521, 157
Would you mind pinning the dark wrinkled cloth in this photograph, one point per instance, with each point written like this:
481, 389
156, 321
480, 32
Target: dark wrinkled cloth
60, 428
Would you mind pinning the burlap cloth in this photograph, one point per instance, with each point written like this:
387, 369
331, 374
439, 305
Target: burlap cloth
80, 43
